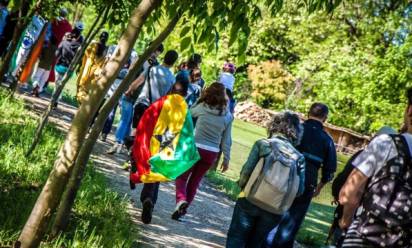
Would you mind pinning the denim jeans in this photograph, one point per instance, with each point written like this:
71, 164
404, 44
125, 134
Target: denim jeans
123, 129
284, 235
109, 121
250, 225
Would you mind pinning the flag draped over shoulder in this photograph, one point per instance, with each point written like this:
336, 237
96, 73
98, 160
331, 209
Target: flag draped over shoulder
164, 147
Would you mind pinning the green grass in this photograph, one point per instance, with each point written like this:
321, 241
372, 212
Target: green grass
317, 222
99, 218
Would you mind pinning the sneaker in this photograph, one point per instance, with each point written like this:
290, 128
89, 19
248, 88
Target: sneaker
147, 211
180, 210
35, 91
116, 148
104, 137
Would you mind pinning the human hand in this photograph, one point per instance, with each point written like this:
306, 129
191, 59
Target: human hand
224, 167
344, 224
318, 189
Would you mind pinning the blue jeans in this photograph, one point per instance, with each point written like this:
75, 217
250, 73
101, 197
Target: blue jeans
109, 121
250, 225
284, 235
123, 129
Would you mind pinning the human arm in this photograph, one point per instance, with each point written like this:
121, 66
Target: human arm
196, 110
226, 145
350, 196
135, 84
328, 167
260, 149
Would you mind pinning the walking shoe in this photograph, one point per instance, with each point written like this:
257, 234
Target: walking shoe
35, 91
147, 211
116, 148
104, 137
180, 210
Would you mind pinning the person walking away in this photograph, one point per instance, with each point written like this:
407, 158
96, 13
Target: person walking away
259, 208
93, 61
4, 18
65, 54
227, 78
8, 30
42, 72
159, 82
131, 96
214, 125
194, 62
319, 151
335, 233
60, 27
381, 183
138, 85
194, 89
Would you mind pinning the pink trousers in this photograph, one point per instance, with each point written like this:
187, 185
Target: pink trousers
188, 183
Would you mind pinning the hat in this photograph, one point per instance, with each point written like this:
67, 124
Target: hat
386, 130
79, 25
63, 12
229, 67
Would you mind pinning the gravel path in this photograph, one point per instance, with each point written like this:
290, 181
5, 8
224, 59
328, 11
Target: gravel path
205, 225
208, 218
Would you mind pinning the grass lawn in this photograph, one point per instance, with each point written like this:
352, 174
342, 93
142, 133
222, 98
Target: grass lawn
99, 218
317, 222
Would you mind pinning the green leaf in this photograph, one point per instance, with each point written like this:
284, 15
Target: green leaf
184, 44
184, 31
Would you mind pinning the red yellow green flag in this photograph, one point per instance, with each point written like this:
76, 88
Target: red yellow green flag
164, 147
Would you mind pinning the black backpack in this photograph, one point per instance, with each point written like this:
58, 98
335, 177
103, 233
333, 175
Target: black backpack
386, 219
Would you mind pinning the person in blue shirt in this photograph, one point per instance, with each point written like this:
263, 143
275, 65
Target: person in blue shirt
319, 151
3, 15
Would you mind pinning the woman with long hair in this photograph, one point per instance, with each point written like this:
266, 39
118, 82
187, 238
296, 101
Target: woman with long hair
213, 127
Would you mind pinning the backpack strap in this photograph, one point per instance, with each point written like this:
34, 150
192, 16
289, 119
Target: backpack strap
402, 148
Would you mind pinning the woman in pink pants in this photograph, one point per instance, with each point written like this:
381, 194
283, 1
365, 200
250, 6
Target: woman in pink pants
213, 127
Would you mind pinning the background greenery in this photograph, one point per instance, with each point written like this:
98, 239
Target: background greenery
99, 217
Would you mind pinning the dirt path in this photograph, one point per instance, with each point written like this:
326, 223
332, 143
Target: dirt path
208, 218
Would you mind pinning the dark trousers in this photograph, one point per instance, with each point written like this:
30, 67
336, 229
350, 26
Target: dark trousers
109, 121
284, 235
250, 225
149, 191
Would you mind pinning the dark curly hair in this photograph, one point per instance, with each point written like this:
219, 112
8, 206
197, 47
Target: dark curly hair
288, 124
214, 96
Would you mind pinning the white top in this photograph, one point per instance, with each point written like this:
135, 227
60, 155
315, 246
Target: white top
228, 80
377, 153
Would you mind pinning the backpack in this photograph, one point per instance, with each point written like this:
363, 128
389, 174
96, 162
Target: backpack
274, 182
386, 219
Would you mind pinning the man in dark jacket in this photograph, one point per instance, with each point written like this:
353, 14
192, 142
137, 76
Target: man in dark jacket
319, 151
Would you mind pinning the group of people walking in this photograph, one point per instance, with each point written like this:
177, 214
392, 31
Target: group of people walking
281, 175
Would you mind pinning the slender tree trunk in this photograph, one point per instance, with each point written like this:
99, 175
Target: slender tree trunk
77, 58
63, 213
49, 198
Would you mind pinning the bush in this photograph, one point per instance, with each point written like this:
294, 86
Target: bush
271, 84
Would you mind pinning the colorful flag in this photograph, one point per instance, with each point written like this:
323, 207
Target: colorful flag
164, 147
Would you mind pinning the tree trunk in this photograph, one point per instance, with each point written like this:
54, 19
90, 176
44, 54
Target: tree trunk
18, 32
77, 58
49, 198
63, 213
